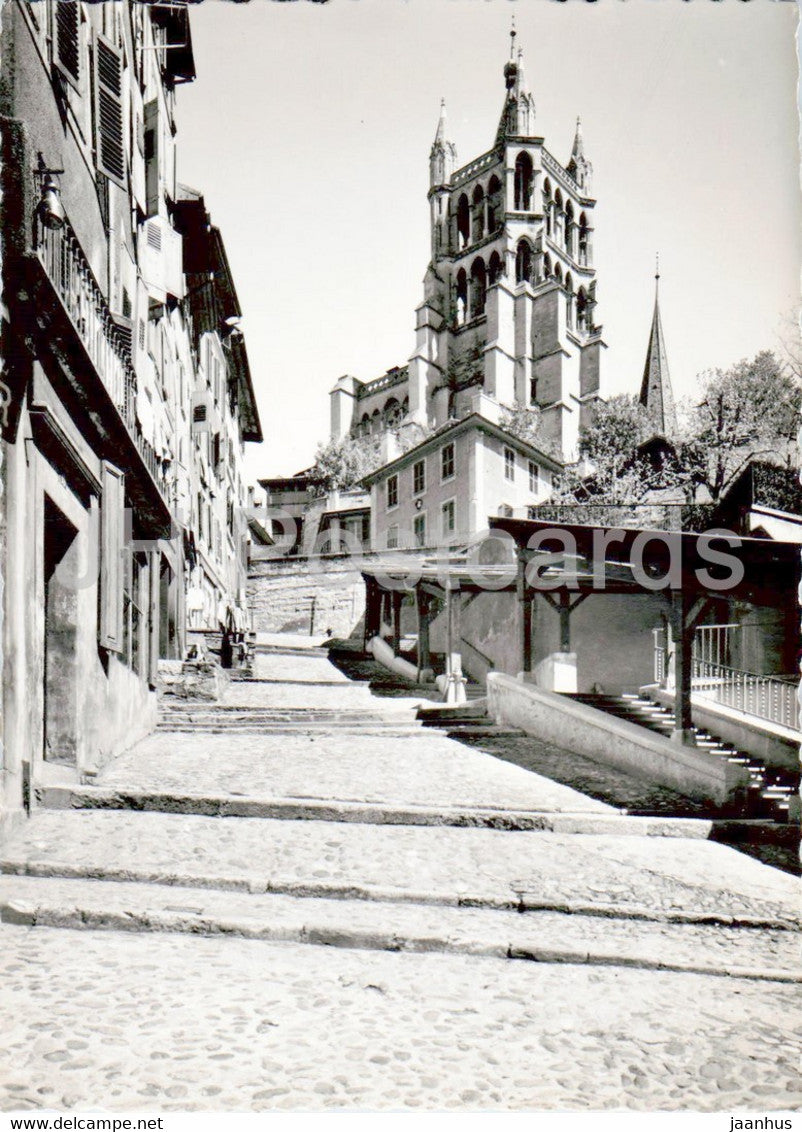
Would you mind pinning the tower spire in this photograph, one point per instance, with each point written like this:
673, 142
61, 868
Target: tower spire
443, 154
518, 115
656, 393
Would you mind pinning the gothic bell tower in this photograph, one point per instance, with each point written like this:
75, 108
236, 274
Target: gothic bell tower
509, 308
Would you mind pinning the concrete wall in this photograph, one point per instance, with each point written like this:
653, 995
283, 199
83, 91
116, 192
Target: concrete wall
613, 742
611, 635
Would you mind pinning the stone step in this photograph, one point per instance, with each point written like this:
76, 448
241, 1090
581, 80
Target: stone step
660, 879
137, 799
545, 937
255, 728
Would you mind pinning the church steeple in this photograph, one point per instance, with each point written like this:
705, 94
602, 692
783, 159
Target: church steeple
443, 154
579, 167
655, 393
518, 115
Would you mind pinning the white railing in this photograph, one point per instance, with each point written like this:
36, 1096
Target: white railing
772, 698
767, 697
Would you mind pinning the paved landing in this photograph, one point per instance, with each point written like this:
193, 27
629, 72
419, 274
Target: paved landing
167, 1023
426, 770
655, 877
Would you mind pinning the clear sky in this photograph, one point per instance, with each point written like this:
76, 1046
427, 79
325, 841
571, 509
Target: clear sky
309, 126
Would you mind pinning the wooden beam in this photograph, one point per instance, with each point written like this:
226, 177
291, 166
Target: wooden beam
524, 616
422, 606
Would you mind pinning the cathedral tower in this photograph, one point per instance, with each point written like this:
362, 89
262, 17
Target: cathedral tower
510, 292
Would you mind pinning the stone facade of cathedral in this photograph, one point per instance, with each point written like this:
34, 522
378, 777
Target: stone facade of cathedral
509, 306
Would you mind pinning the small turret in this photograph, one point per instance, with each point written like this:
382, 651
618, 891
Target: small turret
579, 167
443, 154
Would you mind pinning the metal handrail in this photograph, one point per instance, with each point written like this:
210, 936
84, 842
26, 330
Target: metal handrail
772, 698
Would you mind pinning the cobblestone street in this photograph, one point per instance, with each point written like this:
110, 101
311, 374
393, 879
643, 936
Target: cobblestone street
436, 929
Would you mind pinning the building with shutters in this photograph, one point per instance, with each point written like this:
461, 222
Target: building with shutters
120, 504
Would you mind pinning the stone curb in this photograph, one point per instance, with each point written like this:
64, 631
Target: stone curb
293, 809
20, 914
513, 902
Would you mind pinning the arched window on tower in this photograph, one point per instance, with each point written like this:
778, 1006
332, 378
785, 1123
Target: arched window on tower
581, 311
461, 297
364, 425
569, 229
569, 299
495, 211
478, 213
463, 221
584, 240
494, 269
524, 180
523, 262
548, 207
478, 287
558, 234
558, 273
392, 413
547, 273
376, 422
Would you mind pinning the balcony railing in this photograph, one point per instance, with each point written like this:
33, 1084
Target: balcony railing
68, 269
772, 698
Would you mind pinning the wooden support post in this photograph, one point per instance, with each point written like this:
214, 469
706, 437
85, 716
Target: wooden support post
565, 621
682, 630
397, 599
455, 684
422, 604
524, 616
373, 599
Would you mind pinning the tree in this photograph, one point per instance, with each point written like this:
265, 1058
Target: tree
748, 412
616, 429
521, 421
341, 465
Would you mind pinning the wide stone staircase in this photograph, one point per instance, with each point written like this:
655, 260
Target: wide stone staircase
307, 809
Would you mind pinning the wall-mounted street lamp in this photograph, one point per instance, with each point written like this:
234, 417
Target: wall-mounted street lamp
50, 210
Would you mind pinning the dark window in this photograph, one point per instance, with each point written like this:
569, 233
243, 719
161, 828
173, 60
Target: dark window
418, 477
448, 517
447, 462
392, 491
419, 527
509, 464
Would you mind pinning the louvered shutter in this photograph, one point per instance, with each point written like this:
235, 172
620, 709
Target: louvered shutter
66, 35
112, 518
109, 137
155, 561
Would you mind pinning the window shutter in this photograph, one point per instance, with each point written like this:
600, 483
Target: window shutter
112, 517
109, 144
155, 560
67, 30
